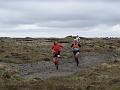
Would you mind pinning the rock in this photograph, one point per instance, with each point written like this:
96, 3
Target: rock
2, 66
6, 75
90, 87
46, 59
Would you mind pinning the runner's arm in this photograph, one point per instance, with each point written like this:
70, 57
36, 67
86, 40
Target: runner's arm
61, 45
72, 45
79, 45
52, 49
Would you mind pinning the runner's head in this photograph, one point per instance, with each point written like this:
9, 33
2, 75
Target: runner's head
75, 41
55, 42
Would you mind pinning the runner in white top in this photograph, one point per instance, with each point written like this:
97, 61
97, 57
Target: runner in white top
78, 39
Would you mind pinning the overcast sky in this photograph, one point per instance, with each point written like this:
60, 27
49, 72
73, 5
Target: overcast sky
59, 18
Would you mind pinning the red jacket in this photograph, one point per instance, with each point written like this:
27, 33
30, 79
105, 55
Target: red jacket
56, 47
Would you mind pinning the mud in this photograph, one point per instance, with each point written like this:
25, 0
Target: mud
46, 69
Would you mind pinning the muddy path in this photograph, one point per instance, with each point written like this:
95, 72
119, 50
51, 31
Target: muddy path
46, 69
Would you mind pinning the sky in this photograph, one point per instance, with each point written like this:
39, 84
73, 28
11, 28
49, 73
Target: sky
59, 18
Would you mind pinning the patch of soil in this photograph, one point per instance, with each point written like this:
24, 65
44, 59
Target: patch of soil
46, 69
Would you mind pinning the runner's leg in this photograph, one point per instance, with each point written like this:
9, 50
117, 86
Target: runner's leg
55, 60
56, 64
76, 58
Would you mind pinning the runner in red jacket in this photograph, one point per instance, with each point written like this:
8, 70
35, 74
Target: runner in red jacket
56, 49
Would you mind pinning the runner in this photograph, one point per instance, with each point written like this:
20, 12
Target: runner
78, 39
56, 49
76, 50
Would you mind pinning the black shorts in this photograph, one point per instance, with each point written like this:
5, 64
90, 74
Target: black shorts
75, 52
56, 54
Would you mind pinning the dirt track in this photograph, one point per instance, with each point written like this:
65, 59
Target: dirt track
46, 69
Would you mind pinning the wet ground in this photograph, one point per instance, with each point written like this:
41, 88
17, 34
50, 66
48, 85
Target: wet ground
46, 69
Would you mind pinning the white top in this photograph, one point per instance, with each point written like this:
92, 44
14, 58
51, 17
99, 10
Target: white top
78, 39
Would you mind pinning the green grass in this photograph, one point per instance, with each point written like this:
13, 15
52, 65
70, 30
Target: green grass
24, 51
101, 77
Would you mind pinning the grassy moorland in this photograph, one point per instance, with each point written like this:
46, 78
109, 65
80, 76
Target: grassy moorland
104, 76
24, 50
100, 77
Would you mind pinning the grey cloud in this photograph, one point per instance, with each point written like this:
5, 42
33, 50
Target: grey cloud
60, 0
60, 14
88, 13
